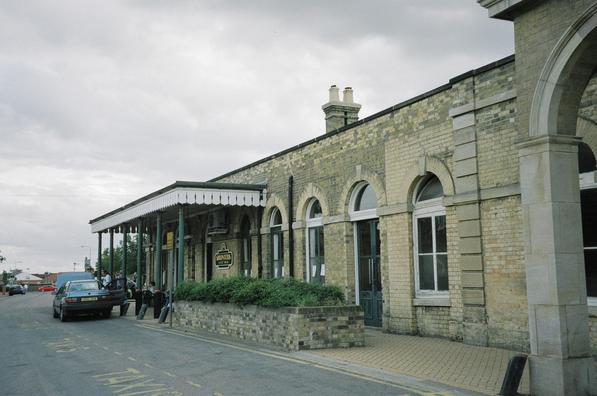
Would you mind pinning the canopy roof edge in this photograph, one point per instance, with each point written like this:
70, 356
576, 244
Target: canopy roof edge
183, 192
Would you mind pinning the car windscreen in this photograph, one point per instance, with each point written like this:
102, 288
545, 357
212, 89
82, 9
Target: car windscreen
83, 286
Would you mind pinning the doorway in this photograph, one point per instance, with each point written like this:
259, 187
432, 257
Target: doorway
369, 271
208, 261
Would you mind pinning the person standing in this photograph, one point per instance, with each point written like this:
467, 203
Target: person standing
107, 279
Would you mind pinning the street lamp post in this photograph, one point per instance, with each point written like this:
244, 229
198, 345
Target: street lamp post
87, 246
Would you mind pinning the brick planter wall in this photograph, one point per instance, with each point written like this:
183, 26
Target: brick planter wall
293, 329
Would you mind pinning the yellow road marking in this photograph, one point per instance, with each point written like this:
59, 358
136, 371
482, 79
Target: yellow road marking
169, 374
63, 346
132, 382
194, 384
294, 360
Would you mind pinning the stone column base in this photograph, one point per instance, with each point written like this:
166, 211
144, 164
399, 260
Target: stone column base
556, 376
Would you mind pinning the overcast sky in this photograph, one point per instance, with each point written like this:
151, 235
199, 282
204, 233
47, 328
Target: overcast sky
103, 102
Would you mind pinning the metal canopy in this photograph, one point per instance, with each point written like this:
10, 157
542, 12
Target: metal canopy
181, 192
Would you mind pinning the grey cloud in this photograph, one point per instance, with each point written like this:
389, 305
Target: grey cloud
101, 105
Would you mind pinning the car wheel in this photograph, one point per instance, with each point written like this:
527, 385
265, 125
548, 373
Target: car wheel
54, 312
63, 317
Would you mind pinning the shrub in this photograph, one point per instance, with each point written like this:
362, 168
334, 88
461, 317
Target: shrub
183, 291
263, 292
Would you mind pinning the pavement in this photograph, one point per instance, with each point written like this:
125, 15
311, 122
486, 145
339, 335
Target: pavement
444, 367
478, 369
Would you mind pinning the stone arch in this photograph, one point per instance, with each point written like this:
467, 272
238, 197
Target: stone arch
362, 174
418, 170
274, 201
251, 215
550, 204
564, 77
311, 191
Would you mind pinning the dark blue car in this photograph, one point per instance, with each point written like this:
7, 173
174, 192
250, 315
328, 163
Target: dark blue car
82, 297
15, 289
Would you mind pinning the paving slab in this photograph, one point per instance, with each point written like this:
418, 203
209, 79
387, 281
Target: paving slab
478, 369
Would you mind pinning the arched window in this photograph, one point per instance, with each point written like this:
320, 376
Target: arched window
363, 203
314, 243
245, 247
430, 239
366, 199
276, 244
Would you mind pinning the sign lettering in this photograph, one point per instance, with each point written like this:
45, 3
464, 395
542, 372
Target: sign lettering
224, 258
169, 240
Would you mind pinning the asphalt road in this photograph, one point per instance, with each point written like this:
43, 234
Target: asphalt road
117, 356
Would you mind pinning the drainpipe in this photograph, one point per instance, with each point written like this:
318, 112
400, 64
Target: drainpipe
290, 230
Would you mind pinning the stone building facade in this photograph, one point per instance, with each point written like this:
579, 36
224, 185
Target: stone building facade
455, 214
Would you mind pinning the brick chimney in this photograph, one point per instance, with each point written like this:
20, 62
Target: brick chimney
340, 113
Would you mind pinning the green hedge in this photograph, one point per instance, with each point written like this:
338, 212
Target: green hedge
263, 292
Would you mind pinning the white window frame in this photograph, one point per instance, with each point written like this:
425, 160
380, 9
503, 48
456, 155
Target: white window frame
272, 224
249, 247
588, 181
312, 223
367, 214
273, 217
430, 209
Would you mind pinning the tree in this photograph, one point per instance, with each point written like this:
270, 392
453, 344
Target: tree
2, 258
131, 256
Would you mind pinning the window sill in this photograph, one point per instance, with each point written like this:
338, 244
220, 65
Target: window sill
592, 306
432, 302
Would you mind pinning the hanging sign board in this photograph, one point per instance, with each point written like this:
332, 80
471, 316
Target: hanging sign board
169, 240
223, 258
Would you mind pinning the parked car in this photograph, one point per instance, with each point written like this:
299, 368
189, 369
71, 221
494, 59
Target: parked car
118, 292
47, 288
16, 289
82, 297
64, 277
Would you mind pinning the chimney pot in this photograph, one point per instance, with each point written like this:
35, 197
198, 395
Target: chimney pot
348, 98
340, 113
334, 94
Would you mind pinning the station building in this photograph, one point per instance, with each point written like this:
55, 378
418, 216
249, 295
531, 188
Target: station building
467, 212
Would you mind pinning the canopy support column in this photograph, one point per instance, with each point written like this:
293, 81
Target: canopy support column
124, 253
139, 281
158, 253
111, 253
180, 277
99, 256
